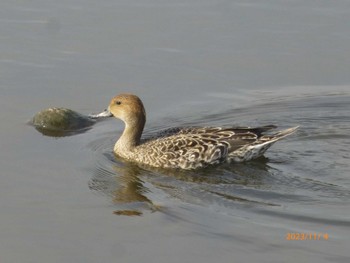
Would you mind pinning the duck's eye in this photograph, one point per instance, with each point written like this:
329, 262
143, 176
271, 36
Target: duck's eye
118, 102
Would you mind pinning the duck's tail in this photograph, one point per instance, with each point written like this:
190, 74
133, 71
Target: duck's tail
278, 135
257, 149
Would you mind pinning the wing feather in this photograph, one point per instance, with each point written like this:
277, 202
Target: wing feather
194, 147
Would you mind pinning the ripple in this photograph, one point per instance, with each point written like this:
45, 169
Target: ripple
294, 176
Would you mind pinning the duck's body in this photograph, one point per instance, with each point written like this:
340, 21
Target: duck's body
186, 148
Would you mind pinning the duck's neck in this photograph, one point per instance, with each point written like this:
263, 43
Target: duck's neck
131, 136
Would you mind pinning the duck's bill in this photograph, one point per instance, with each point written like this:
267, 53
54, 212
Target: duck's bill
104, 114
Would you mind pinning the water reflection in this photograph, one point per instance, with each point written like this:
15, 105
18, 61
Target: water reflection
60, 133
130, 187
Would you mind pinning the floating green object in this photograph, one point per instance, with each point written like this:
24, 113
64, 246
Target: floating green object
61, 122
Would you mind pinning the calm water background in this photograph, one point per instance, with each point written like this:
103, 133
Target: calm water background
192, 62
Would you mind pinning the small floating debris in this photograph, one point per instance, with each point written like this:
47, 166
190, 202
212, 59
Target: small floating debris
59, 122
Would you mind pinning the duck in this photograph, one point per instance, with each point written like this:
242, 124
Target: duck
186, 148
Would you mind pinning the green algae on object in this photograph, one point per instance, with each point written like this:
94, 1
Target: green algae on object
59, 122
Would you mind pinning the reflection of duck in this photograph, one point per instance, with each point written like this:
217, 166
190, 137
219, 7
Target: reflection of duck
126, 189
186, 148
135, 191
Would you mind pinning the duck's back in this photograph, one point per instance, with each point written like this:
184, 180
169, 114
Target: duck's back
192, 147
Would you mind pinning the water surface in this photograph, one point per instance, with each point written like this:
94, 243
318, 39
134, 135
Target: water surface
193, 63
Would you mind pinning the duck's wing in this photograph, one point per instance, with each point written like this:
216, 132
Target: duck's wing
192, 148
181, 139
221, 130
239, 138
235, 137
187, 151
209, 130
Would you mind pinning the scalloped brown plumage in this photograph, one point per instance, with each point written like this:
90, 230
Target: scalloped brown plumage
186, 148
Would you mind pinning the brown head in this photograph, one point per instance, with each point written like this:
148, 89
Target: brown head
129, 108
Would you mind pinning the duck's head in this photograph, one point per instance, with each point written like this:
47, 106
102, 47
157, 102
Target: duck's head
128, 108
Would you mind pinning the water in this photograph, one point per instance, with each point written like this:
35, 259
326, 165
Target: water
192, 62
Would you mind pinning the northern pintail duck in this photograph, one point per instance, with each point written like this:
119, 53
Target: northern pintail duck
189, 147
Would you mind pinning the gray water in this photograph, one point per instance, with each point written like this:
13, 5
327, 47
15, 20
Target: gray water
244, 63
